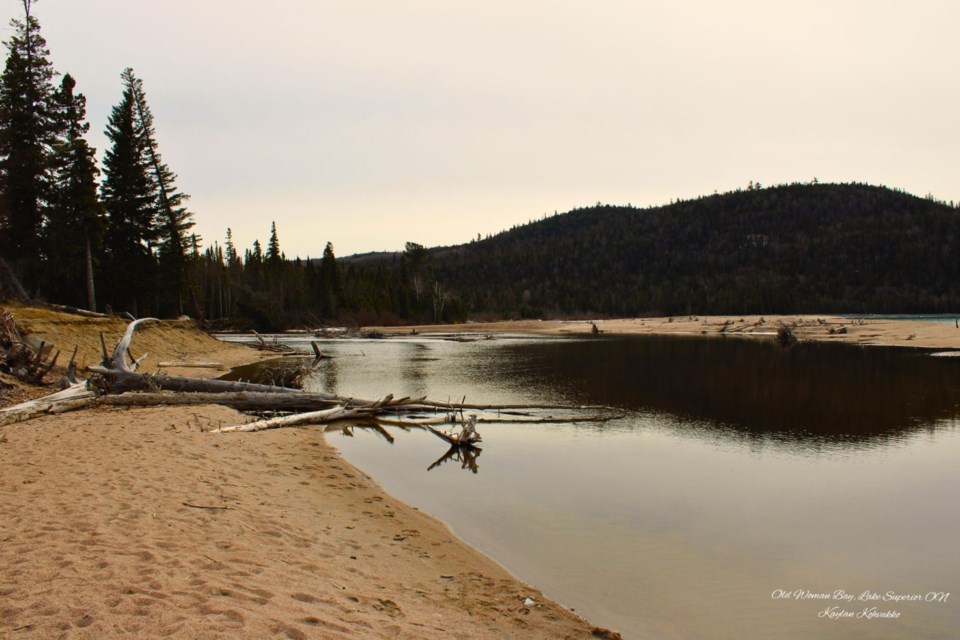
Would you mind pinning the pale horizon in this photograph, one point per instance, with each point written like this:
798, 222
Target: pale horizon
371, 124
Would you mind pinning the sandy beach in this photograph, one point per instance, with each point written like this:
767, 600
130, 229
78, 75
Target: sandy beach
141, 523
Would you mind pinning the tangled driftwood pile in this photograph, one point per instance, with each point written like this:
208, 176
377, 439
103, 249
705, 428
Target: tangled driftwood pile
20, 358
116, 382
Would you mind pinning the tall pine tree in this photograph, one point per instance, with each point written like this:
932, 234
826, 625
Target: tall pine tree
147, 241
75, 226
130, 199
172, 220
27, 127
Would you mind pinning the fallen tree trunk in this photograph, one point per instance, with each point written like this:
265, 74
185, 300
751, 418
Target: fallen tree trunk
74, 310
249, 401
241, 396
311, 417
76, 396
121, 381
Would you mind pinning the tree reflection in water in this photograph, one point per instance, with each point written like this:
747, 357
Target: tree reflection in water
466, 456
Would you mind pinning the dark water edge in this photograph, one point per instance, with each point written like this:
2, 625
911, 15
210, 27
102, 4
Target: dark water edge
810, 393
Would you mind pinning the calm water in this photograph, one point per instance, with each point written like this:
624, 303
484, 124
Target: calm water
741, 471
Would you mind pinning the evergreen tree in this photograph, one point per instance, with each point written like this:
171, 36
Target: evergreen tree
130, 199
273, 247
330, 288
172, 220
234, 275
26, 134
253, 267
75, 227
274, 270
230, 250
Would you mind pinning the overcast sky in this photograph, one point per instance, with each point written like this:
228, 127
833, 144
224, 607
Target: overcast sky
371, 123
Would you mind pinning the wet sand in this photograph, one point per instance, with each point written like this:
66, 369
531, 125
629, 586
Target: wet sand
140, 523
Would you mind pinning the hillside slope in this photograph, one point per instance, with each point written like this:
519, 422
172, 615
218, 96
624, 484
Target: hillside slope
788, 249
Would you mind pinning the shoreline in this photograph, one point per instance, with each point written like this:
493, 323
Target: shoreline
140, 523
921, 334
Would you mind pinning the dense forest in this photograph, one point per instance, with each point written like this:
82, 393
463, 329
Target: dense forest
116, 236
845, 248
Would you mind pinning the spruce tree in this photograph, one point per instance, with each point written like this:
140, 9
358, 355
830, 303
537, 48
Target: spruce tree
172, 220
273, 248
130, 199
230, 250
330, 289
26, 135
234, 268
273, 269
75, 226
148, 240
253, 267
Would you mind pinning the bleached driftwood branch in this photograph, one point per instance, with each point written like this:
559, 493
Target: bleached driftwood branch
74, 397
311, 417
122, 351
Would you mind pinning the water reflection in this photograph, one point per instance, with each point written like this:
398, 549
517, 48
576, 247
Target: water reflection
414, 367
466, 456
329, 372
808, 396
809, 393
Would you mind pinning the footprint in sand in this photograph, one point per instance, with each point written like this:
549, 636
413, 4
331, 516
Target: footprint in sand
304, 597
389, 607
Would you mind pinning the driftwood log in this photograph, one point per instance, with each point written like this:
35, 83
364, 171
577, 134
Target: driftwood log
191, 365
311, 417
117, 383
74, 397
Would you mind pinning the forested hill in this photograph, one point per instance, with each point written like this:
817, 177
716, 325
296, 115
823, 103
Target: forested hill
798, 248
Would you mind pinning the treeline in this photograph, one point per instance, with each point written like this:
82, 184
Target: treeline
264, 290
67, 236
816, 248
117, 237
